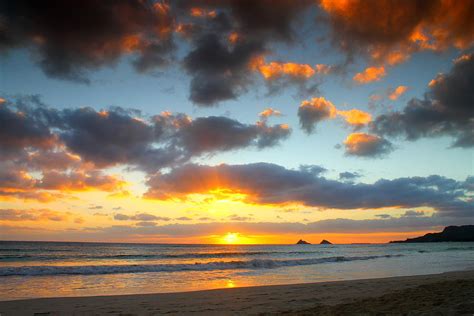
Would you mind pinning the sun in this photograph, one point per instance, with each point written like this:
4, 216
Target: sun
231, 238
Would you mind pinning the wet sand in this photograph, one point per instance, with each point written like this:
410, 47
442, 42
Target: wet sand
440, 294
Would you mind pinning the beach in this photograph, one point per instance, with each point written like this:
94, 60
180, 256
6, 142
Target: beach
444, 294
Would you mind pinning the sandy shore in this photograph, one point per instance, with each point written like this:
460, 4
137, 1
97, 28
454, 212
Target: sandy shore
441, 294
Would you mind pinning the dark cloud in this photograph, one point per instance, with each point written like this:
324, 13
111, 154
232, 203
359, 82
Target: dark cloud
412, 213
142, 217
76, 138
70, 40
261, 19
20, 129
313, 169
390, 31
221, 69
264, 183
367, 145
210, 134
183, 218
105, 137
219, 72
446, 110
313, 111
349, 176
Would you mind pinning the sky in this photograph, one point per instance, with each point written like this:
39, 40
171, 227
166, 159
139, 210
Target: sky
235, 121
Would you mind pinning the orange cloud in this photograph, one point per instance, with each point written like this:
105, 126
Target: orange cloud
356, 117
269, 112
311, 112
366, 145
39, 196
131, 43
234, 37
370, 74
80, 181
275, 70
32, 215
201, 13
397, 92
321, 105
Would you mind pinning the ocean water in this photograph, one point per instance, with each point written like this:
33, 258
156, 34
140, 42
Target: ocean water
47, 269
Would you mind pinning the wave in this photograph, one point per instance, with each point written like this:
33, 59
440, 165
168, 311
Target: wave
460, 249
210, 266
27, 257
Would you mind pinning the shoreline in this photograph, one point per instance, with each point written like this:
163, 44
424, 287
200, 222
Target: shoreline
446, 292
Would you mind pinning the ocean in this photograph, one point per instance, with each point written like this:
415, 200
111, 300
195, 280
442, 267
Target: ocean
52, 269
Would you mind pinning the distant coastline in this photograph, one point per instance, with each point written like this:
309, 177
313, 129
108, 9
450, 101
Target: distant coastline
463, 233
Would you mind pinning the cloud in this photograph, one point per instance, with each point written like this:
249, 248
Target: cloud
348, 176
278, 75
80, 181
367, 145
311, 112
389, 32
105, 137
370, 74
199, 12
397, 92
264, 183
142, 217
356, 118
274, 70
183, 218
19, 129
336, 225
446, 109
86, 139
220, 71
32, 215
212, 134
411, 213
237, 218
69, 42
265, 114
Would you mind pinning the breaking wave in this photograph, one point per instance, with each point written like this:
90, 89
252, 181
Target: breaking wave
209, 266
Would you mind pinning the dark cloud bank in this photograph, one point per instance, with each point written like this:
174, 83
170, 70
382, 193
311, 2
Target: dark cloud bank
447, 109
120, 136
266, 183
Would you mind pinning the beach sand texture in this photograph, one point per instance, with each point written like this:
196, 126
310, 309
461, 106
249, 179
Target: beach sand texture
449, 293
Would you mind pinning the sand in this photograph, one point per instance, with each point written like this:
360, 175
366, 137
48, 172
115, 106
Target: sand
439, 294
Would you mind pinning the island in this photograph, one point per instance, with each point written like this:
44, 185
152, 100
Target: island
325, 242
303, 242
450, 233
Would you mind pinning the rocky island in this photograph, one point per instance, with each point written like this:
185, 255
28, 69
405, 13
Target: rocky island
450, 233
303, 242
325, 242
